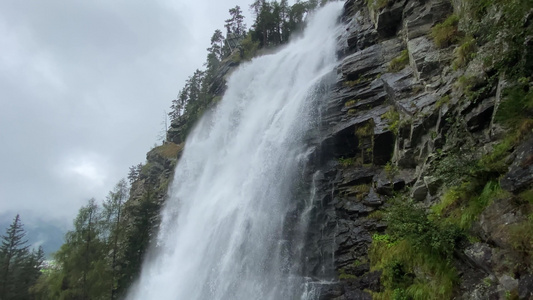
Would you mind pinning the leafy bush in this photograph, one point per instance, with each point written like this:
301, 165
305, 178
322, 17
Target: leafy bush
415, 254
406, 221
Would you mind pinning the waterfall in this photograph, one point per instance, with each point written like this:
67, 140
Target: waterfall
224, 227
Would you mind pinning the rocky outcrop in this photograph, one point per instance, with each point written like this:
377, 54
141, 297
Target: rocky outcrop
386, 132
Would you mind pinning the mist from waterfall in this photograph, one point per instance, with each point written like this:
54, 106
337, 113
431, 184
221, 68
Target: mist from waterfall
224, 231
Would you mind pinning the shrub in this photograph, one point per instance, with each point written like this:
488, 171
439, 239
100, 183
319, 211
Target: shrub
414, 254
249, 47
446, 33
406, 221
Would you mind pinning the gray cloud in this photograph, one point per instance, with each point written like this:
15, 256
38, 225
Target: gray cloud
84, 86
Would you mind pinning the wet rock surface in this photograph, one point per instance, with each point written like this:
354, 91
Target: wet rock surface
382, 132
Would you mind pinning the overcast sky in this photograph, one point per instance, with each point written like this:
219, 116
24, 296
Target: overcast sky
84, 86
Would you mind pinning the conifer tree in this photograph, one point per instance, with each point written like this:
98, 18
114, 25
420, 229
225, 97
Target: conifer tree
19, 268
235, 24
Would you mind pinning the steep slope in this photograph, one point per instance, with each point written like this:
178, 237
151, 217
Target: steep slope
422, 163
425, 152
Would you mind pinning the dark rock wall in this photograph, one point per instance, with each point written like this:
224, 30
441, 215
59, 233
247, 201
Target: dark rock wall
383, 132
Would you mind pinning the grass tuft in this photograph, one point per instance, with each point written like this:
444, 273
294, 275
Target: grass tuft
446, 33
399, 62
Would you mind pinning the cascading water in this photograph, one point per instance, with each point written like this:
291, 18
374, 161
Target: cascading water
223, 232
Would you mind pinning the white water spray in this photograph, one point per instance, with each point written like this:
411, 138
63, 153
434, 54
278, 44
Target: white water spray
222, 232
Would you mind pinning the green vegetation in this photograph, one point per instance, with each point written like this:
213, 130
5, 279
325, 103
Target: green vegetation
507, 33
399, 62
391, 170
101, 255
416, 250
346, 162
446, 33
393, 118
360, 190
465, 52
367, 129
273, 24
343, 275
462, 205
414, 254
350, 103
352, 83
521, 233
517, 106
19, 266
249, 47
443, 100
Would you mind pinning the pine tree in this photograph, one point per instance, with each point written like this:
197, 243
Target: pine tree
217, 43
235, 24
13, 253
29, 273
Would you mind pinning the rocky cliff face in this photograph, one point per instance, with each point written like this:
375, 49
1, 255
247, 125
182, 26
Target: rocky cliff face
414, 122
411, 119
